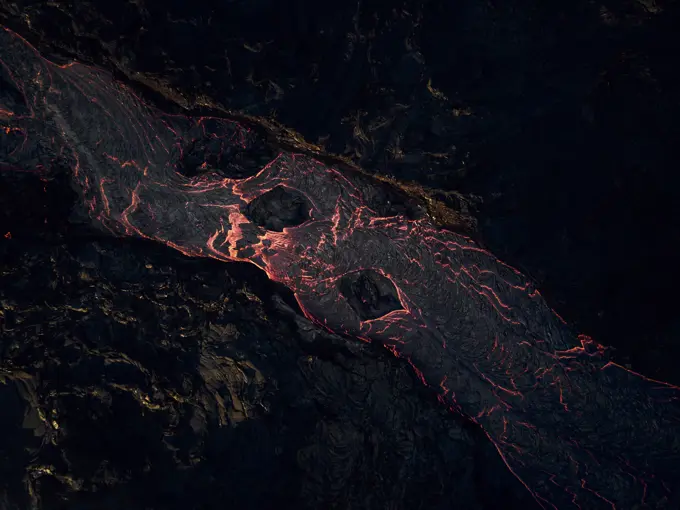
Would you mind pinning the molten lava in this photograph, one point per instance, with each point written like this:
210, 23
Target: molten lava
578, 430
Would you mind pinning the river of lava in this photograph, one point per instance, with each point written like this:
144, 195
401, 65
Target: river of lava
577, 430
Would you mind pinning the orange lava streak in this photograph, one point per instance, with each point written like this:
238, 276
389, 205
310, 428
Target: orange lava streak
472, 328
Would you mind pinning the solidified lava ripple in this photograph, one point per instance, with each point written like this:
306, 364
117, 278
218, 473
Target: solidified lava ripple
576, 429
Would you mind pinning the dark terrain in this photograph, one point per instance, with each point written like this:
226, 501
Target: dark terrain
140, 378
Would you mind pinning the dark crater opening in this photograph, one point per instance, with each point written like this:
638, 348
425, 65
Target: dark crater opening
279, 208
370, 294
227, 148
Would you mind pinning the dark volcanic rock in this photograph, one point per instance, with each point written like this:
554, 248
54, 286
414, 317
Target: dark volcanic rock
138, 378
370, 294
279, 208
235, 155
561, 118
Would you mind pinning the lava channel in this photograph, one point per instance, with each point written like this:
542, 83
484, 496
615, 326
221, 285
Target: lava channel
578, 430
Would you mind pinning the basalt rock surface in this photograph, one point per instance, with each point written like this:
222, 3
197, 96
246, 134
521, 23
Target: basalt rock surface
137, 377
556, 122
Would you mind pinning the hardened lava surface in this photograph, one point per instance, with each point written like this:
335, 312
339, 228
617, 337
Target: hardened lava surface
134, 378
559, 118
576, 429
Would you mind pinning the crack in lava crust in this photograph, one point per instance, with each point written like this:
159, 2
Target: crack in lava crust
576, 429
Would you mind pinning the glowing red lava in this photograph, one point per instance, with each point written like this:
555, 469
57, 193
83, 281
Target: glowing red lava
576, 429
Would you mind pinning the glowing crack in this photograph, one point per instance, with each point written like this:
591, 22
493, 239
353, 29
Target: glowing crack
576, 429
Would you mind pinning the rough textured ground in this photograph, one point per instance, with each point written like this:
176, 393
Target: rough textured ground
559, 119
139, 378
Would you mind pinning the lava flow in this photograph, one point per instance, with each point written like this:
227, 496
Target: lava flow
577, 430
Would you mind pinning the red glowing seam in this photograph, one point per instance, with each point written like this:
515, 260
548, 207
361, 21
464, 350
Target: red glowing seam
417, 244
